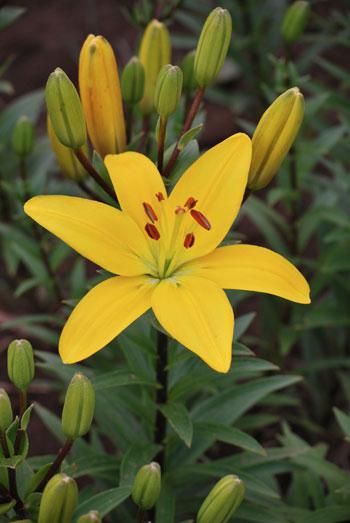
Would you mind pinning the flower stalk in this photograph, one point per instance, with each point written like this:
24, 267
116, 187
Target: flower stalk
55, 466
85, 162
162, 395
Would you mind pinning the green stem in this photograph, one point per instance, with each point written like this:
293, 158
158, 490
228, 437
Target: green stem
55, 466
85, 162
161, 143
141, 516
162, 395
22, 402
187, 125
19, 507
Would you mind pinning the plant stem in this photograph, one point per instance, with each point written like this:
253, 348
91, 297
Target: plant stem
187, 125
85, 162
87, 190
161, 397
145, 131
63, 452
161, 142
37, 233
140, 518
22, 402
19, 507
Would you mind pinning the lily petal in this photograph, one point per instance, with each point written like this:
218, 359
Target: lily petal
217, 180
252, 268
136, 181
102, 314
197, 313
99, 232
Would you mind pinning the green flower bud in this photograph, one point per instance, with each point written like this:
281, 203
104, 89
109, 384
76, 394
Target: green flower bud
133, 81
65, 110
295, 20
6, 414
274, 136
168, 90
187, 67
222, 501
23, 137
20, 364
212, 46
78, 408
59, 500
92, 517
146, 487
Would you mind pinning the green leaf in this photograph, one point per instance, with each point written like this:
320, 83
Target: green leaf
230, 435
189, 135
185, 159
333, 514
165, 508
179, 419
26, 417
36, 479
119, 378
28, 105
51, 421
9, 14
135, 457
344, 422
104, 502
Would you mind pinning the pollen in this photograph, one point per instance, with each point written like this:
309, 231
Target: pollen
200, 219
150, 212
152, 231
189, 240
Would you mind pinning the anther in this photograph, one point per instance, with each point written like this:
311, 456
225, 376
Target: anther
160, 196
179, 210
150, 212
152, 231
189, 240
191, 203
201, 219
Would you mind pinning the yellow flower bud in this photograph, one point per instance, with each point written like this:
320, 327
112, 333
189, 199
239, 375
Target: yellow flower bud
155, 51
168, 90
101, 96
147, 485
78, 408
59, 500
23, 137
91, 517
133, 81
187, 67
222, 501
295, 20
20, 363
6, 415
212, 46
274, 136
65, 110
66, 159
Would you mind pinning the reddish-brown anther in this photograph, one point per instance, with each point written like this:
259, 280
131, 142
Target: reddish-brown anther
189, 240
179, 210
201, 219
152, 231
160, 196
150, 212
191, 203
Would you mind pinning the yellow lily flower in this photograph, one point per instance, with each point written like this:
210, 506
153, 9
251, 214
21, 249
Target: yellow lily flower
164, 251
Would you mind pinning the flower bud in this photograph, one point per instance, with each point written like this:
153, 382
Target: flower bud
66, 159
20, 364
6, 415
23, 137
92, 517
59, 500
101, 96
146, 487
78, 408
133, 81
154, 52
187, 67
222, 501
65, 110
295, 20
212, 46
274, 136
168, 90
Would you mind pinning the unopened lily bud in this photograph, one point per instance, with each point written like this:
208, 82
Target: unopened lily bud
65, 110
59, 500
274, 136
133, 81
66, 159
212, 46
92, 517
146, 487
23, 137
295, 20
168, 90
187, 67
6, 414
222, 501
154, 52
20, 364
78, 408
101, 96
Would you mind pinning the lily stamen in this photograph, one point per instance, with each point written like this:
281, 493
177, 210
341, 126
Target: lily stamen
152, 231
189, 240
150, 212
200, 219
190, 203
